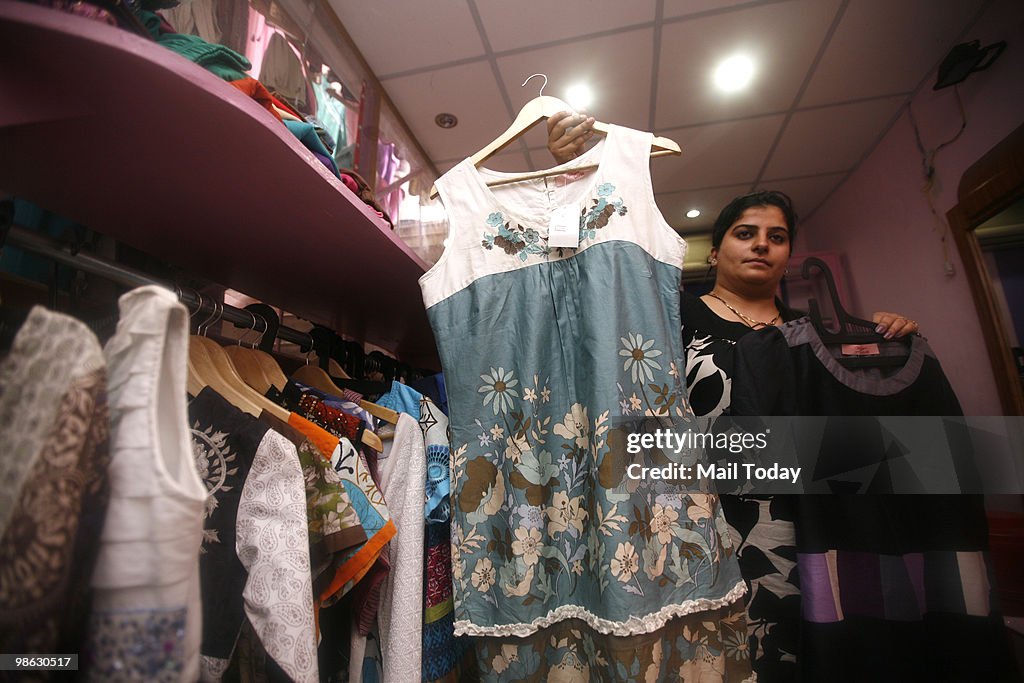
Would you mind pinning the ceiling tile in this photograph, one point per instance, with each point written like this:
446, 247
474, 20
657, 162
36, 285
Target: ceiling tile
511, 25
830, 139
396, 35
617, 68
807, 193
709, 202
684, 8
781, 38
541, 158
510, 160
883, 47
468, 91
717, 154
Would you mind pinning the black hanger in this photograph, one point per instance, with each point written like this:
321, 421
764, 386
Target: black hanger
852, 330
271, 323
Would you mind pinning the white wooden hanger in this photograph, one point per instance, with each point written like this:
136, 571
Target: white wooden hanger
533, 112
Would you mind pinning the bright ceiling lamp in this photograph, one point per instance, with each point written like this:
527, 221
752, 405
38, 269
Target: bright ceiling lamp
693, 213
734, 74
579, 97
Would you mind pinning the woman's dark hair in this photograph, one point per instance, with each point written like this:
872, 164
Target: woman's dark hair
734, 209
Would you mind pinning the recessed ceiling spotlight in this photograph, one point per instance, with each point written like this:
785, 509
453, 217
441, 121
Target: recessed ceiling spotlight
446, 120
735, 73
579, 97
693, 213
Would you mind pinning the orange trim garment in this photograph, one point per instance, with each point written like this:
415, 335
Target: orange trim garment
369, 504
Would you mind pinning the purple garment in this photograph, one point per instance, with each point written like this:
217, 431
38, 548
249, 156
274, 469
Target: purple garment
324, 160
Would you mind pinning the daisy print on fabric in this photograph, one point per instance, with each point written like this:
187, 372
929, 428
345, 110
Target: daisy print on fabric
639, 355
498, 387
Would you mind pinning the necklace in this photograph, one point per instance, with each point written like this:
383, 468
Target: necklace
747, 319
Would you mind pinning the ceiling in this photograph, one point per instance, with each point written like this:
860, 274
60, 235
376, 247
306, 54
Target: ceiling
832, 77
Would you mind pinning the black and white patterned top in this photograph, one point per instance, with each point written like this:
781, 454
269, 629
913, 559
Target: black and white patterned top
762, 526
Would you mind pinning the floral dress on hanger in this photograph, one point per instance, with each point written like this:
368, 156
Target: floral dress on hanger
565, 569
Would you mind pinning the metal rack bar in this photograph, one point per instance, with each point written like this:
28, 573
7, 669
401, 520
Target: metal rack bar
20, 236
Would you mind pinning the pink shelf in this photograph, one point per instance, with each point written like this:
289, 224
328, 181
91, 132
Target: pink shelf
136, 142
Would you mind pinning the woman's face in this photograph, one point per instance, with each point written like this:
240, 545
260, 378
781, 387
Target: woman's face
755, 249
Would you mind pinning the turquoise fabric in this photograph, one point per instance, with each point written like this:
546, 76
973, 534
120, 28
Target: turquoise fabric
306, 133
542, 488
221, 61
563, 567
402, 399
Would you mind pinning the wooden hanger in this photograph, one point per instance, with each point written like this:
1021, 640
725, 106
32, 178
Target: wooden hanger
231, 378
202, 372
316, 377
378, 411
532, 113
249, 368
206, 374
271, 323
336, 370
247, 364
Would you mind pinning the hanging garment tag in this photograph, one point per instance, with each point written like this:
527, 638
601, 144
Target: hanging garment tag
861, 350
565, 227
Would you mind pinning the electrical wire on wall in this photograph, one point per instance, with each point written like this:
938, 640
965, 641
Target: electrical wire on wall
928, 169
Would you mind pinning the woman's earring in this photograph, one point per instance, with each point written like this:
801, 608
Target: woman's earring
786, 271
713, 261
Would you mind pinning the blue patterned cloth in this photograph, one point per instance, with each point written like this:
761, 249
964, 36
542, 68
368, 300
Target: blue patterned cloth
545, 352
402, 399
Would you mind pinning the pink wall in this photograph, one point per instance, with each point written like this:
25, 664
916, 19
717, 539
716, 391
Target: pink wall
880, 221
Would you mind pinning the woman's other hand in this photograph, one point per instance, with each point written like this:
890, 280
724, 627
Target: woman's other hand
567, 133
894, 325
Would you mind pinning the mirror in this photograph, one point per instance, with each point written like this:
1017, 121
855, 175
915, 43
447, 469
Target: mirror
988, 225
1001, 239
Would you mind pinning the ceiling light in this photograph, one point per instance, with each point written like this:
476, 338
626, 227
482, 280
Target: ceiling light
734, 73
446, 120
693, 213
579, 97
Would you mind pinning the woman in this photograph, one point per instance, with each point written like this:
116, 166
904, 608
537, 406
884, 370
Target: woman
751, 245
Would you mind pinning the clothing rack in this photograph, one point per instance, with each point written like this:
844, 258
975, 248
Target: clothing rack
66, 254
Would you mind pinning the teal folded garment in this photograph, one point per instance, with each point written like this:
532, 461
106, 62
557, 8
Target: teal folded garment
218, 59
306, 133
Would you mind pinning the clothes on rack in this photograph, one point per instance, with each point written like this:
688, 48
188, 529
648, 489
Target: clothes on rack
402, 469
558, 563
196, 17
146, 612
219, 60
432, 386
443, 654
224, 443
282, 71
273, 545
53, 492
226, 536
894, 587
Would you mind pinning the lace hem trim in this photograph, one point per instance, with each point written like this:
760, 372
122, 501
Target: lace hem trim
632, 627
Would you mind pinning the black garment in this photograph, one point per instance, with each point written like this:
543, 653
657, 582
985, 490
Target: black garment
761, 525
894, 587
709, 343
787, 370
224, 440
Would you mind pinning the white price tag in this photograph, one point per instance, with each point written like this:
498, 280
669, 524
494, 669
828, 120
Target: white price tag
565, 227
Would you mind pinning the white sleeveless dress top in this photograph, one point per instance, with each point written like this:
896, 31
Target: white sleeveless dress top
147, 617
